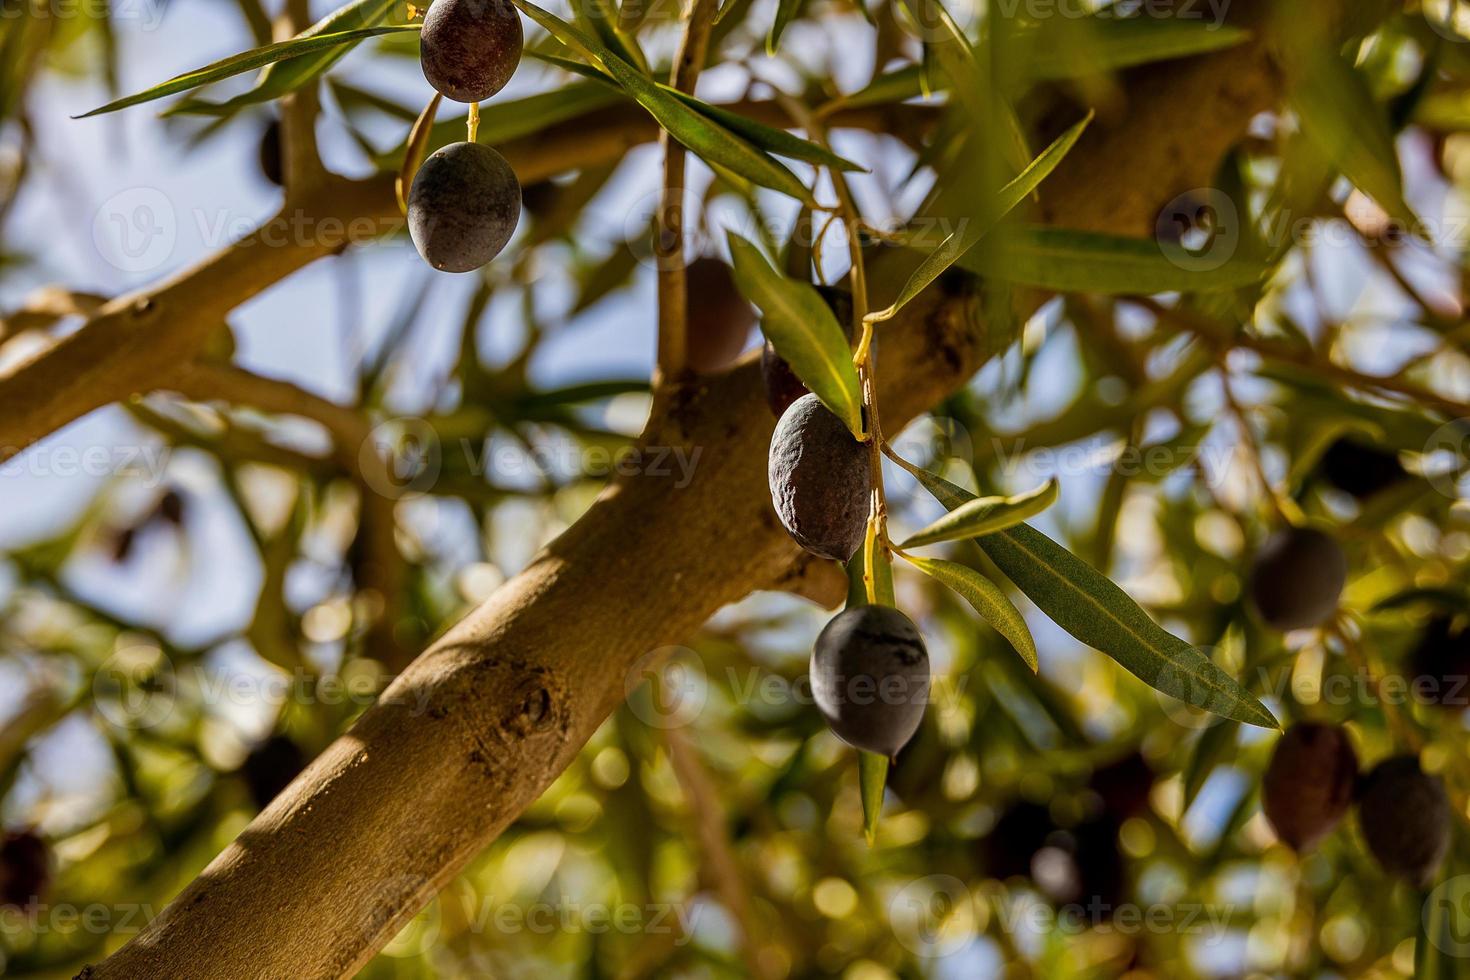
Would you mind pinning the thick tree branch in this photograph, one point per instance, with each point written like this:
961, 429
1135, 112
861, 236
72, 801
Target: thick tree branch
481, 724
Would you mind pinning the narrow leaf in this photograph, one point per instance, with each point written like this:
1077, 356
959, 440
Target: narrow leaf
696, 131
768, 138
1011, 195
246, 61
803, 330
786, 12
989, 600
986, 515
1113, 43
1085, 603
416, 150
1067, 261
872, 777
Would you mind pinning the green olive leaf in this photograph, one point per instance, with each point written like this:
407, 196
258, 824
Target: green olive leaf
1064, 260
989, 600
1006, 200
802, 328
239, 64
1088, 605
695, 130
986, 515
872, 778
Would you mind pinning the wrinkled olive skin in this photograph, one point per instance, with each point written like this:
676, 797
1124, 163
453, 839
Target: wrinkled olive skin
25, 869
1441, 664
870, 678
463, 207
1309, 784
720, 318
1361, 470
1297, 579
1405, 816
783, 387
470, 48
820, 478
270, 767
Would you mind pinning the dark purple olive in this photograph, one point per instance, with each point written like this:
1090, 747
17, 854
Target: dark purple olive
270, 767
1405, 816
1309, 783
470, 48
271, 161
1124, 785
463, 207
1297, 578
821, 480
720, 318
1359, 469
783, 387
1441, 664
870, 678
25, 869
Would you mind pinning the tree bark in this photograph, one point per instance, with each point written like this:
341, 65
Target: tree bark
481, 723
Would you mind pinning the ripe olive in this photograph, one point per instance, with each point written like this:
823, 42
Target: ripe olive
1309, 783
870, 678
1441, 664
1405, 816
25, 869
1359, 469
720, 318
463, 207
783, 387
821, 479
270, 767
1298, 578
470, 48
271, 162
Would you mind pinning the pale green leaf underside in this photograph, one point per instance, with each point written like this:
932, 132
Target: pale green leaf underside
1085, 603
989, 600
986, 515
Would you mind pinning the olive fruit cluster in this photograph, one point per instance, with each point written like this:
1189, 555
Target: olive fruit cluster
1312, 781
465, 201
1297, 578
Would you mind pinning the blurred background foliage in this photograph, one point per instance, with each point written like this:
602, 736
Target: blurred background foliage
137, 741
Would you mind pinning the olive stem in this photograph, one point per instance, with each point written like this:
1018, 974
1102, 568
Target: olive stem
1285, 508
474, 122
